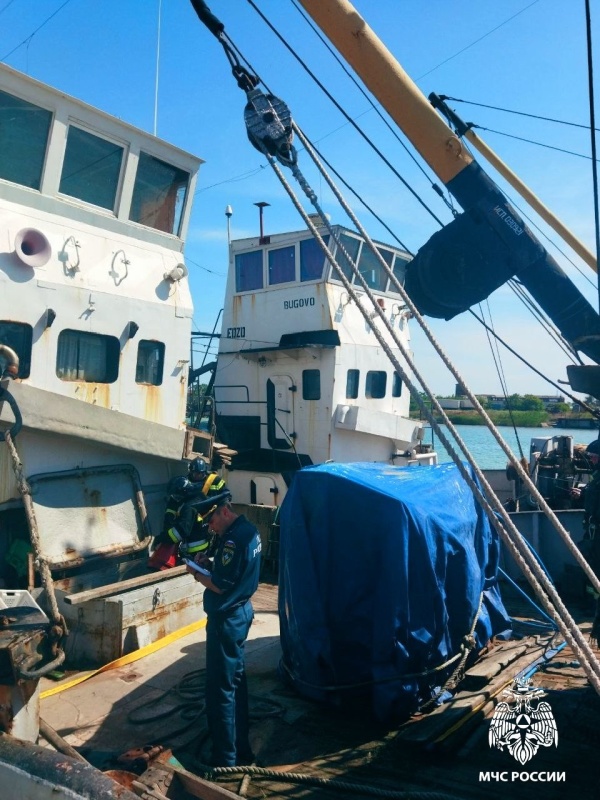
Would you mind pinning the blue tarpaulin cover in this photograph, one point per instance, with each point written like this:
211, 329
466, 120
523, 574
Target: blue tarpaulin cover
382, 574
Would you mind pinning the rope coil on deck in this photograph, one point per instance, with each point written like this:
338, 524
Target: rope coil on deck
327, 783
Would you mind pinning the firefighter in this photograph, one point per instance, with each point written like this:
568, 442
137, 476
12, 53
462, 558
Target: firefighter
184, 530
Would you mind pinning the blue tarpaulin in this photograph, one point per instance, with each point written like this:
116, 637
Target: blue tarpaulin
383, 572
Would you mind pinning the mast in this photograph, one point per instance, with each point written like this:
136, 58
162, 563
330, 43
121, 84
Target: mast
391, 85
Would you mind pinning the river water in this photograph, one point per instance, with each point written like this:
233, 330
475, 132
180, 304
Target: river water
487, 452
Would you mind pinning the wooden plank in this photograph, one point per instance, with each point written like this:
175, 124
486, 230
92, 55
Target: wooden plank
448, 717
485, 670
124, 586
198, 787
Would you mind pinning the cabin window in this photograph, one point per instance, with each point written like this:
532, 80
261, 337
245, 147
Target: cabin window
352, 377
350, 245
312, 259
24, 130
311, 384
371, 269
158, 194
249, 271
282, 265
18, 336
376, 383
150, 362
396, 385
399, 271
91, 168
88, 357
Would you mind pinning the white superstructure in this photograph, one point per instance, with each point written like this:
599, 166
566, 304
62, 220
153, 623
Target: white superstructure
95, 301
300, 376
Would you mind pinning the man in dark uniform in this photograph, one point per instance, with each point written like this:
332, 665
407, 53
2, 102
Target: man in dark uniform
230, 581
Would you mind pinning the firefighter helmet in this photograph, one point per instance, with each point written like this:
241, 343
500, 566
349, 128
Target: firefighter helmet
179, 487
198, 465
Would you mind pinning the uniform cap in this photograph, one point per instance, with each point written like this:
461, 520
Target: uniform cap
207, 507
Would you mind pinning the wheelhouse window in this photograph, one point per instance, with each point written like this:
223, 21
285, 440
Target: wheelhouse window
24, 130
312, 259
396, 385
311, 384
352, 377
375, 384
88, 357
150, 362
282, 265
18, 336
370, 267
399, 271
351, 246
249, 271
91, 168
158, 194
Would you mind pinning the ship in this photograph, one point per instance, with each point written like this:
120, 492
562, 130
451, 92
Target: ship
299, 381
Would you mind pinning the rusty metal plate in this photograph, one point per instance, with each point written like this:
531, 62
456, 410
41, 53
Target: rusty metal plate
85, 513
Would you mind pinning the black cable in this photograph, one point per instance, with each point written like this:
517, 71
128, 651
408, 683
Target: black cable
531, 141
485, 35
543, 320
582, 403
588, 25
367, 97
3, 9
31, 35
345, 114
512, 111
495, 351
360, 198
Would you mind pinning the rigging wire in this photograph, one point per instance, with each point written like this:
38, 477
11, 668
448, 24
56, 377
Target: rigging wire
548, 380
3, 9
543, 320
31, 35
481, 38
495, 351
344, 113
436, 188
519, 113
530, 141
361, 200
588, 26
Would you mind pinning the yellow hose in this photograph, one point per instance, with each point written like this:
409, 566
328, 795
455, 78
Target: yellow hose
128, 659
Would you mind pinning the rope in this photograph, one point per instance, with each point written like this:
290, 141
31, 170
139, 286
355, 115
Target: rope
508, 532
59, 628
190, 690
324, 783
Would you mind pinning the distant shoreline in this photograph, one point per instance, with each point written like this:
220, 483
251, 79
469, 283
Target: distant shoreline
523, 419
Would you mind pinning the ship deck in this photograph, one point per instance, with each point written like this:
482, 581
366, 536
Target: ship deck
444, 753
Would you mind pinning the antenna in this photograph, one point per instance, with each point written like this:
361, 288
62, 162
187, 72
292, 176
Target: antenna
157, 68
261, 206
228, 214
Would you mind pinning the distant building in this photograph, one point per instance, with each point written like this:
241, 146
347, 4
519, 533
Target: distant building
493, 401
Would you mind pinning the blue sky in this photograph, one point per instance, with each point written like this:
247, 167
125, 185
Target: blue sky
525, 55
